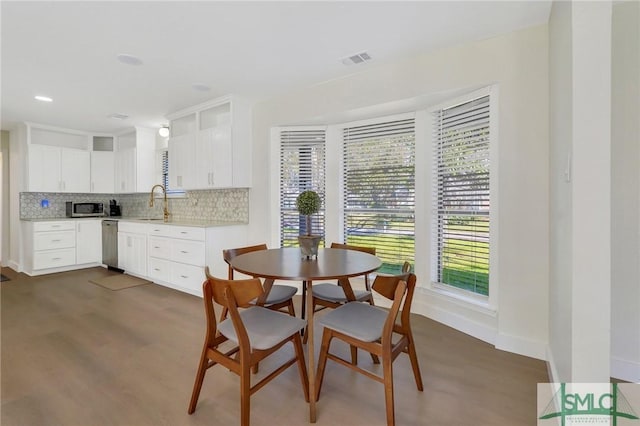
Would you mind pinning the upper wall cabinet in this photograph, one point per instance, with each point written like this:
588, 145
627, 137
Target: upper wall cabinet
135, 161
102, 165
57, 160
210, 145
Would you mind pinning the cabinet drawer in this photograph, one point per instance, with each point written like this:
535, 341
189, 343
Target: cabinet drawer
134, 228
66, 225
159, 269
190, 252
187, 276
160, 247
160, 230
187, 233
54, 240
54, 258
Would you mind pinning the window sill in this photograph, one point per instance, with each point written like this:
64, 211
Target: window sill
462, 298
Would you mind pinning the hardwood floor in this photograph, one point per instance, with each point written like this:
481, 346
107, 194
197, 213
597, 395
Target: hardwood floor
74, 353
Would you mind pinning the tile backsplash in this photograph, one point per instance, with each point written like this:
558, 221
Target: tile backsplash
219, 205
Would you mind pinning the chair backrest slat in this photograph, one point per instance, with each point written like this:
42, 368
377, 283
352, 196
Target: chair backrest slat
370, 250
243, 291
385, 285
229, 254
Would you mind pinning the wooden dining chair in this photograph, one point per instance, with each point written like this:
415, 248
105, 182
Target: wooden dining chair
257, 332
372, 329
280, 297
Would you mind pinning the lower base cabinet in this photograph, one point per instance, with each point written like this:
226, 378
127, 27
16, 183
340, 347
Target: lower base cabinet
61, 245
175, 256
132, 248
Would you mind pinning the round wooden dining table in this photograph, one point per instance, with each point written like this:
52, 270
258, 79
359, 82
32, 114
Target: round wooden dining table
289, 264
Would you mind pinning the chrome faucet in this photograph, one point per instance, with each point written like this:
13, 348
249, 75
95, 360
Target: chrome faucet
165, 209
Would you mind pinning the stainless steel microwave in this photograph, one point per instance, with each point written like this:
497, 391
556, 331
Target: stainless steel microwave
84, 209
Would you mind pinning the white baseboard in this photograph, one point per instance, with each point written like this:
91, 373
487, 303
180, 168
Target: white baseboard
15, 266
522, 346
461, 323
625, 369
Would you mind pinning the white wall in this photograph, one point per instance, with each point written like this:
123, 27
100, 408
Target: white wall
625, 192
517, 63
580, 274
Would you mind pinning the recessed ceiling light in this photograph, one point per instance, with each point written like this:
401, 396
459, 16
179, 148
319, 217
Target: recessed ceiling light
201, 87
118, 116
43, 98
129, 59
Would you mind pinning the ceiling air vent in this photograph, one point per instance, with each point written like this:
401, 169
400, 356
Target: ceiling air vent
358, 58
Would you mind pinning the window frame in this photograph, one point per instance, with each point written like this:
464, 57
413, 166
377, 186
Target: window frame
490, 301
339, 132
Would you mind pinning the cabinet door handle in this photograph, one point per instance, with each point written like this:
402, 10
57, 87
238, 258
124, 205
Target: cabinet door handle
156, 247
184, 252
55, 226
184, 276
55, 241
183, 232
56, 258
156, 269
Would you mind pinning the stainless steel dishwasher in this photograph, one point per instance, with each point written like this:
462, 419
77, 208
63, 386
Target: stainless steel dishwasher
110, 243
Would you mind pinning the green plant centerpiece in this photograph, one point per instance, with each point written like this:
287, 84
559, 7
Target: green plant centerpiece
308, 203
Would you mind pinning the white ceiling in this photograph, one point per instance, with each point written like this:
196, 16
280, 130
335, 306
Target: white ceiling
67, 50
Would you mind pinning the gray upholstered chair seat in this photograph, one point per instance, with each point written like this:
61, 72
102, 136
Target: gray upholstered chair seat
335, 293
280, 293
359, 320
265, 327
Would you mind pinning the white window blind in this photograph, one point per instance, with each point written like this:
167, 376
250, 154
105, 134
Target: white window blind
379, 189
461, 228
165, 174
302, 167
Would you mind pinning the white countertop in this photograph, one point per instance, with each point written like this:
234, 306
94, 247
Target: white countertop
158, 221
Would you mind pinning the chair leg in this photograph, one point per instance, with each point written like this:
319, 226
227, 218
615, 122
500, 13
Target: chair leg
245, 395
304, 299
327, 335
197, 385
413, 357
290, 308
354, 355
302, 366
387, 368
223, 315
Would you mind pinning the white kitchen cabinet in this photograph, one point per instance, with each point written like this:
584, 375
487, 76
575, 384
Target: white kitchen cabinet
132, 248
75, 170
210, 145
57, 159
182, 154
177, 256
49, 246
102, 172
135, 161
61, 245
125, 170
44, 168
214, 156
88, 241
56, 169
